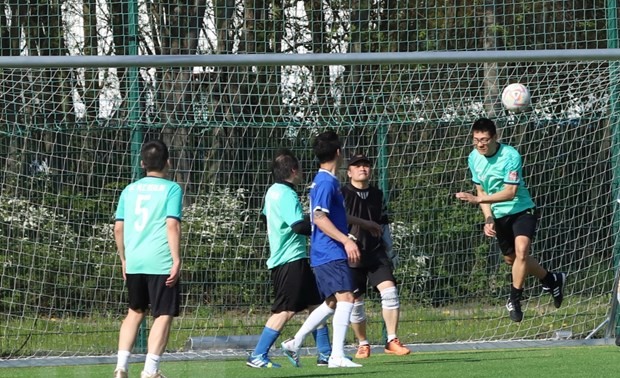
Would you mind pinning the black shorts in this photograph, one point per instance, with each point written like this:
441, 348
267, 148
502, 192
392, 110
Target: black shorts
145, 289
294, 287
509, 227
374, 274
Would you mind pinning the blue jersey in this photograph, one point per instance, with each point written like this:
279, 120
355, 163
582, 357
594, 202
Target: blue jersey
494, 172
325, 196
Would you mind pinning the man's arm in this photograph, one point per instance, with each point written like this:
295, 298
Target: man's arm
303, 227
173, 227
509, 192
119, 227
327, 227
485, 207
368, 225
489, 223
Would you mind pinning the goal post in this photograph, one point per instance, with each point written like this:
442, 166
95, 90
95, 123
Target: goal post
62, 291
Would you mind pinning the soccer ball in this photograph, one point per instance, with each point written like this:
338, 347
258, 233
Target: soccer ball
516, 97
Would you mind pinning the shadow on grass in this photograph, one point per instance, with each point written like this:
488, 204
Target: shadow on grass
464, 359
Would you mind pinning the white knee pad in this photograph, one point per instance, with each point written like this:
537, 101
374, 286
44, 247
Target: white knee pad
389, 298
358, 315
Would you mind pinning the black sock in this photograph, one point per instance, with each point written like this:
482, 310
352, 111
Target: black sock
515, 293
549, 279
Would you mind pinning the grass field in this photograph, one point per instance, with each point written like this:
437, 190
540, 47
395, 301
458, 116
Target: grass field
98, 335
586, 361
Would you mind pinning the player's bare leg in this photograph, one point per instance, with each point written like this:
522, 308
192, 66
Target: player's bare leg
277, 321
552, 282
358, 324
390, 305
522, 265
129, 329
158, 338
126, 340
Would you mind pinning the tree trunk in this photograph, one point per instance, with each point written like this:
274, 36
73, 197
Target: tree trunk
490, 69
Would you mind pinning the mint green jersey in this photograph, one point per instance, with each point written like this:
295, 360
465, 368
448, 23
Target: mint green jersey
494, 172
282, 210
144, 206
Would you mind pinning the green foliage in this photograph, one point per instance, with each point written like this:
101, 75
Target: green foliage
56, 266
220, 252
48, 267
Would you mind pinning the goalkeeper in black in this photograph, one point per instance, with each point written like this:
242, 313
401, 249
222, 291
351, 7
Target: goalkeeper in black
365, 201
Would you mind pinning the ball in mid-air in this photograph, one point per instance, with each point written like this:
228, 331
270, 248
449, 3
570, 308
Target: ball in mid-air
516, 97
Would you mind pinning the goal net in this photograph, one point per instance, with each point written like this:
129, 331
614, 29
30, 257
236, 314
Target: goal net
226, 87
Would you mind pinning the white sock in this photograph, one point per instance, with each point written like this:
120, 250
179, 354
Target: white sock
364, 342
390, 337
315, 319
122, 360
151, 364
341, 322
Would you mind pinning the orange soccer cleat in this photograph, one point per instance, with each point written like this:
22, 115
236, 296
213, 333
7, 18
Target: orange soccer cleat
363, 351
395, 347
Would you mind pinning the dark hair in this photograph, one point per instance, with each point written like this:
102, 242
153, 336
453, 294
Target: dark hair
283, 164
154, 155
325, 146
484, 125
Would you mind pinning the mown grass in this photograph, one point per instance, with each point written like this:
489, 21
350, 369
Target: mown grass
98, 335
592, 361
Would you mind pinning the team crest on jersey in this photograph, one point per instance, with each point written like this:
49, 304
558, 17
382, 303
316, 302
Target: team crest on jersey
513, 176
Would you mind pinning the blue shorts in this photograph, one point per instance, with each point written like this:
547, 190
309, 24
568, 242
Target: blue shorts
333, 277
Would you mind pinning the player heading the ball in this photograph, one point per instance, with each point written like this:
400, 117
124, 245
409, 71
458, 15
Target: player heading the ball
509, 212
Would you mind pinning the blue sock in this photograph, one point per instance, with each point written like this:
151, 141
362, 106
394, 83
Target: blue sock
266, 340
321, 337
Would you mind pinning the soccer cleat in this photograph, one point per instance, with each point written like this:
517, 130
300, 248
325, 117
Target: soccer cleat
514, 308
261, 361
341, 362
120, 373
322, 360
363, 351
157, 374
394, 346
557, 290
290, 352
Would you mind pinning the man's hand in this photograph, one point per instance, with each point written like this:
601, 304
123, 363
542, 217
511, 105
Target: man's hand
468, 197
353, 252
489, 227
173, 278
374, 228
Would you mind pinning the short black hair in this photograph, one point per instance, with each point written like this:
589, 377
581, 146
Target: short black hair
326, 145
484, 125
154, 155
283, 164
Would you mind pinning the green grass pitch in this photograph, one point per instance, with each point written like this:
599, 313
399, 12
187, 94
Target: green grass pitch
586, 361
